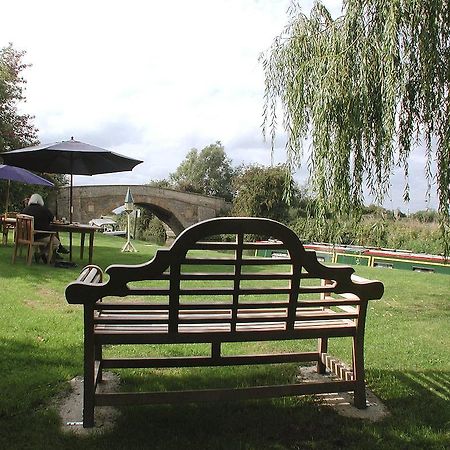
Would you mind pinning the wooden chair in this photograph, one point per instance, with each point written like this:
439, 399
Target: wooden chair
25, 236
7, 225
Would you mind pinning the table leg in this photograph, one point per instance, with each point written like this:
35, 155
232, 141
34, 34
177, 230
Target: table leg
82, 245
91, 246
70, 246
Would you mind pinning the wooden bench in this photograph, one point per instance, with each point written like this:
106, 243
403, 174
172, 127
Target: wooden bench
191, 293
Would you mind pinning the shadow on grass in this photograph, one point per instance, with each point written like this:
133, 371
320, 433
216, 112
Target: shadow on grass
32, 374
418, 420
33, 371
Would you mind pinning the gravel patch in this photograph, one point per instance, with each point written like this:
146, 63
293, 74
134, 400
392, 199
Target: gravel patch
70, 406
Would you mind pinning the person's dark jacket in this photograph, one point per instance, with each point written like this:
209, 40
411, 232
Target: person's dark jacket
42, 218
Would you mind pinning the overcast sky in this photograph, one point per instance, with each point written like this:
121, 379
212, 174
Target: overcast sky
151, 80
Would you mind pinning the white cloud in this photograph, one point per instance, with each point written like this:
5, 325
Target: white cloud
148, 79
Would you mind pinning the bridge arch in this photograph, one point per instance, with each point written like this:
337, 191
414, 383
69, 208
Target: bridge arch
172, 225
177, 210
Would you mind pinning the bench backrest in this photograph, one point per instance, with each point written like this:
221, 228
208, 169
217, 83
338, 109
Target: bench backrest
230, 280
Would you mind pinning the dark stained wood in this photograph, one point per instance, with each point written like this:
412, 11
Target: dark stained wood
214, 395
202, 361
187, 297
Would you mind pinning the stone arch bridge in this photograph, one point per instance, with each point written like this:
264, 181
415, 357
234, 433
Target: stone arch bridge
177, 210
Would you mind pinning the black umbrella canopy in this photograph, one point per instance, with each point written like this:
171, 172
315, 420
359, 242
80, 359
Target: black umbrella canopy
70, 157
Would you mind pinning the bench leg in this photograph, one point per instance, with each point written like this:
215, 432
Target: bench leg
322, 347
89, 368
358, 373
98, 357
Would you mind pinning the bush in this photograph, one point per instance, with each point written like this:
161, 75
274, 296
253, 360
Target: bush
406, 233
154, 231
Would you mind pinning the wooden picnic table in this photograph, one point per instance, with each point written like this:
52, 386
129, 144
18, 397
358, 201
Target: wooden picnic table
82, 229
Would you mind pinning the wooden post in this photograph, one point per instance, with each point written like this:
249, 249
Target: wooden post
128, 247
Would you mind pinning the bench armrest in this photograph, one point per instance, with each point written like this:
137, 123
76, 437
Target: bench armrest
376, 288
82, 290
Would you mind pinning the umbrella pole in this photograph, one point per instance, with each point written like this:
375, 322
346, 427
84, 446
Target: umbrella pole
70, 215
71, 199
7, 197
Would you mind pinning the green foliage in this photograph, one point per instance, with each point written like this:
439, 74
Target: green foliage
374, 231
260, 192
207, 172
16, 130
150, 228
188, 176
427, 216
18, 193
364, 87
162, 183
313, 229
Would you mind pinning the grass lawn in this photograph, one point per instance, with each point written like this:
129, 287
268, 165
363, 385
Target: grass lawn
407, 364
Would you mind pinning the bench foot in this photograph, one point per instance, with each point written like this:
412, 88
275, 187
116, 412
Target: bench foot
322, 348
360, 397
88, 422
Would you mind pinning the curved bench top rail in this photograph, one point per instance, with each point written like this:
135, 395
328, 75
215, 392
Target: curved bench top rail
179, 264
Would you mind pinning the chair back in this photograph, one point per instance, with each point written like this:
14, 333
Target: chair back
24, 229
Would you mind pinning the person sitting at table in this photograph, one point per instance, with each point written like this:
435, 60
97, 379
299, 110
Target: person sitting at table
42, 219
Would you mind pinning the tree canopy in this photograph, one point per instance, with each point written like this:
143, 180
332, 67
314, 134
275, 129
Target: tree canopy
16, 130
206, 172
260, 192
366, 88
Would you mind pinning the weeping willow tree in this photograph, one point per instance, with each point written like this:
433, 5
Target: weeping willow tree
366, 88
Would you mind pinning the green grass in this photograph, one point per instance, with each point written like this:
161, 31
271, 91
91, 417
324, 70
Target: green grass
407, 362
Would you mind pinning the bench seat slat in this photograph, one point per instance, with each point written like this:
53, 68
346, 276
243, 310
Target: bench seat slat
207, 314
187, 319
303, 306
161, 336
218, 325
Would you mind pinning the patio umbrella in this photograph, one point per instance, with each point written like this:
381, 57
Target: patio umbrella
12, 173
70, 157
